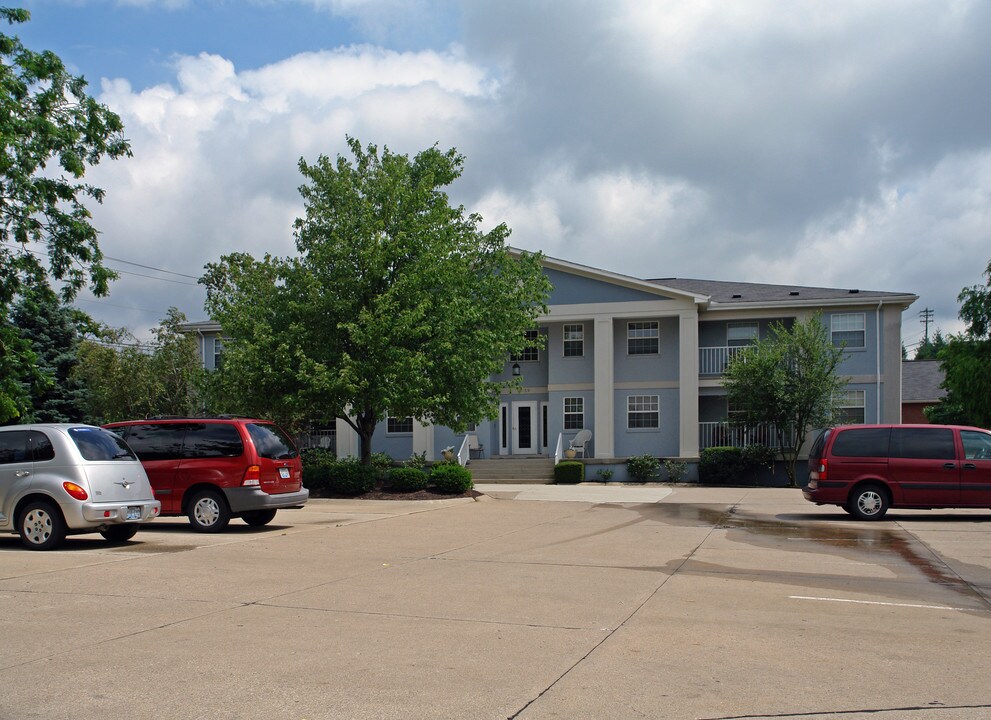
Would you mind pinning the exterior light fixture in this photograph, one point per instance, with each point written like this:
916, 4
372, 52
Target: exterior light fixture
516, 369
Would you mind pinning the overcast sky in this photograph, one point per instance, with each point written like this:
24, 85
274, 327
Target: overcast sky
843, 143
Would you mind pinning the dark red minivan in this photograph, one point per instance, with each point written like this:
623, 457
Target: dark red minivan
867, 469
213, 469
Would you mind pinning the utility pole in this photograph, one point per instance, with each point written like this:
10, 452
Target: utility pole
927, 317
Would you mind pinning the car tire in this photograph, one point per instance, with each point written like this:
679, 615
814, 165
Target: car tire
258, 518
41, 526
119, 533
868, 502
208, 512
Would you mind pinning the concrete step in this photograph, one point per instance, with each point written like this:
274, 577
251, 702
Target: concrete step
513, 470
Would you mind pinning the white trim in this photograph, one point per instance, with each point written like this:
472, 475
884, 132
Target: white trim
565, 413
656, 400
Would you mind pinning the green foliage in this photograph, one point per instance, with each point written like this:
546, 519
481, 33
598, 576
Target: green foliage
417, 461
676, 470
381, 461
406, 479
126, 380
569, 471
790, 380
604, 474
451, 478
317, 466
51, 133
395, 303
351, 477
966, 362
643, 468
759, 456
722, 466
929, 349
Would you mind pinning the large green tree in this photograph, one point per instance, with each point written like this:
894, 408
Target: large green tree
51, 131
397, 303
789, 379
966, 362
54, 331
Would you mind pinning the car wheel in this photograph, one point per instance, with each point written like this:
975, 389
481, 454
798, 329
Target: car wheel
869, 502
119, 533
257, 518
208, 512
41, 526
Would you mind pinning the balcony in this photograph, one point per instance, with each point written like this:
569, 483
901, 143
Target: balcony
713, 360
724, 434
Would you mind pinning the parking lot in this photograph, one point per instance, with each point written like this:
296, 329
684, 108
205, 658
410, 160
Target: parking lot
708, 603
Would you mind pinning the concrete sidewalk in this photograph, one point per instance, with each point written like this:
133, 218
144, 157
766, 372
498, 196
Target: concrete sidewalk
583, 492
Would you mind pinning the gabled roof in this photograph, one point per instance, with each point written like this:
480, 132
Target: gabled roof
920, 381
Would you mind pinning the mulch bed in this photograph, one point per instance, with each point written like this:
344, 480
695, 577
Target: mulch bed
381, 493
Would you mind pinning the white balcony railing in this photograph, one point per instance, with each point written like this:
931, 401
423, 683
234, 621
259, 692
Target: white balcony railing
713, 360
723, 434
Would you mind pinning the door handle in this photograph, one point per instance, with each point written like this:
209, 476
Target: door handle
969, 466
949, 466
22, 473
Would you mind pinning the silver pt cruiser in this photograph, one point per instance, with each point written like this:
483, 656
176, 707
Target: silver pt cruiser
58, 479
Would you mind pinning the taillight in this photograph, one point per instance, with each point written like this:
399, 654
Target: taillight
820, 473
75, 491
252, 476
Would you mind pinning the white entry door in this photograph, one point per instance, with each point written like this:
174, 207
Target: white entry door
524, 430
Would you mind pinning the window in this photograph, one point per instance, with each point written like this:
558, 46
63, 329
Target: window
741, 334
155, 442
849, 328
41, 446
923, 443
642, 411
14, 447
862, 442
271, 442
976, 445
642, 338
574, 413
574, 340
100, 445
206, 440
218, 353
849, 407
398, 426
529, 354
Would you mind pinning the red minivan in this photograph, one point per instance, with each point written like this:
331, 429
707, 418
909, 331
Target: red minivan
865, 469
213, 469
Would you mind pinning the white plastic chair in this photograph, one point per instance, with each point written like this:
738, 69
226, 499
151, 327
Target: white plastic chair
579, 442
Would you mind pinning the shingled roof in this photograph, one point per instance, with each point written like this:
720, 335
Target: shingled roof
920, 381
729, 293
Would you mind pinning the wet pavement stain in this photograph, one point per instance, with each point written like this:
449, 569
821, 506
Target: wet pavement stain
896, 548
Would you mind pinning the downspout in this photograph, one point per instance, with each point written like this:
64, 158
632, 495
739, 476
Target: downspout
877, 344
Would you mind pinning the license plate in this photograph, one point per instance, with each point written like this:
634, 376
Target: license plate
284, 473
134, 513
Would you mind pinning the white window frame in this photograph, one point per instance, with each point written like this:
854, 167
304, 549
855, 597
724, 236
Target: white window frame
851, 400
392, 421
218, 352
576, 341
643, 405
848, 323
641, 331
529, 354
577, 410
742, 341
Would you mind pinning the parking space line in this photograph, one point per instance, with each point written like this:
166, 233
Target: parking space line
875, 602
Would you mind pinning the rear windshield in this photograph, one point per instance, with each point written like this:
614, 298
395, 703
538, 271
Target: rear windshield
271, 442
862, 442
98, 444
816, 452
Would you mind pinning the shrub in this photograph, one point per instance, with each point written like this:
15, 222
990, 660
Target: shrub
317, 463
756, 456
406, 479
643, 468
350, 477
676, 470
382, 462
451, 478
417, 461
605, 474
569, 471
721, 465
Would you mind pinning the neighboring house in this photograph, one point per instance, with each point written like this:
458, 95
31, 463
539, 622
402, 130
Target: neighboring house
640, 363
921, 381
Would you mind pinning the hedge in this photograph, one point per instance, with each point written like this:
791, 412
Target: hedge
451, 478
569, 471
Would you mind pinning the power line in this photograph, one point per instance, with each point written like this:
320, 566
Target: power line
927, 317
124, 272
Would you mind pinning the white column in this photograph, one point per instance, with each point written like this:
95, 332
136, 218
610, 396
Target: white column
347, 440
423, 439
688, 384
604, 432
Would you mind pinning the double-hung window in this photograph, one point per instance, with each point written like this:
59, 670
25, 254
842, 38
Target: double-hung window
399, 426
574, 413
849, 330
741, 334
643, 338
642, 411
850, 407
574, 340
529, 354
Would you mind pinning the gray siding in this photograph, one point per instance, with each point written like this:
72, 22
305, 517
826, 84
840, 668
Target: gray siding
575, 289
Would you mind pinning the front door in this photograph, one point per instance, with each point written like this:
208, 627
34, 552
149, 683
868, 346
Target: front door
524, 428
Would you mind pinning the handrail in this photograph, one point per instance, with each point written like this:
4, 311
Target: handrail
464, 455
559, 450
